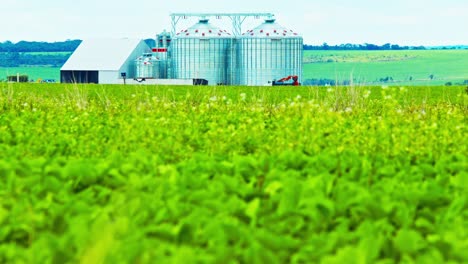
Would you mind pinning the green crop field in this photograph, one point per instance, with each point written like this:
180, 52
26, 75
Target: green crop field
33, 72
406, 67
145, 174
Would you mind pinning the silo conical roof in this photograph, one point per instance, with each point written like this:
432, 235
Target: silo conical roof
203, 29
270, 29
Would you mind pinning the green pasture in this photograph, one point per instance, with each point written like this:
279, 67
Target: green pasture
409, 67
34, 73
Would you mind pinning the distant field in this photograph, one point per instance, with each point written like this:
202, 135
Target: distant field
34, 73
405, 67
43, 65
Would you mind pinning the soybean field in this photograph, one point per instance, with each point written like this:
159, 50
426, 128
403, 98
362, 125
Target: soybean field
176, 174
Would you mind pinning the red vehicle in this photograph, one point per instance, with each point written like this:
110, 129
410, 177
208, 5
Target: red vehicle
287, 81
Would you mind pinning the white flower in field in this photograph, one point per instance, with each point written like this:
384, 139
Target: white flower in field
213, 98
399, 111
25, 104
243, 96
133, 95
224, 98
348, 109
423, 112
384, 87
298, 97
367, 93
34, 109
329, 90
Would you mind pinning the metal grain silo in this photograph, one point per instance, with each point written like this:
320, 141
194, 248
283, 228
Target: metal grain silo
147, 66
267, 53
201, 52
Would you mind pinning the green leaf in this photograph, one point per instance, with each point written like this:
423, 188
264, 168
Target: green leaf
3, 215
408, 241
290, 196
185, 234
252, 209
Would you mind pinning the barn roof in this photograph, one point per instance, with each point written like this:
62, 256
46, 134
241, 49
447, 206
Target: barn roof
101, 54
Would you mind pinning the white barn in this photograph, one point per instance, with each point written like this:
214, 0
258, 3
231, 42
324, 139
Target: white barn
103, 61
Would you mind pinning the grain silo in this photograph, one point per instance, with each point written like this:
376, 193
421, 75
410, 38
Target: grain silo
201, 52
267, 53
147, 66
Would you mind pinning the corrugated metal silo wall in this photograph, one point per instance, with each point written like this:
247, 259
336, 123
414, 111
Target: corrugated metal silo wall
231, 66
195, 58
262, 60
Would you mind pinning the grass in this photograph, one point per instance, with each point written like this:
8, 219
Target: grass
407, 67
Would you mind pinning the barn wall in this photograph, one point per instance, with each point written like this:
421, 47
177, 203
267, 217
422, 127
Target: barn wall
109, 77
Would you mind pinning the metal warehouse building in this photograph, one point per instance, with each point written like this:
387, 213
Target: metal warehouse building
103, 61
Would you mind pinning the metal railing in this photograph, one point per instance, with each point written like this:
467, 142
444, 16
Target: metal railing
236, 18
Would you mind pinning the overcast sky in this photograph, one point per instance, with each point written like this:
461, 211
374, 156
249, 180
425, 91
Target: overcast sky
404, 22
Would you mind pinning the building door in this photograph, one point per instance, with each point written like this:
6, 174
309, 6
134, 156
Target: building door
79, 76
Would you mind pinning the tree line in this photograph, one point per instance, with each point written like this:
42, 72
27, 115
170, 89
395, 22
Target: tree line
53, 54
18, 54
365, 46
35, 46
16, 59
71, 45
